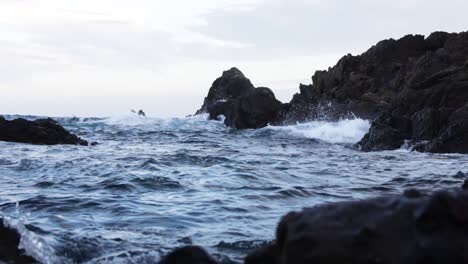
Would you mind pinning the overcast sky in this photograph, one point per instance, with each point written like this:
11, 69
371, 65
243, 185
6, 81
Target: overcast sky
104, 57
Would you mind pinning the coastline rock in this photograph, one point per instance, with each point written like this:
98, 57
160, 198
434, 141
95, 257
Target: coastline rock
188, 255
41, 132
409, 228
9, 242
243, 106
414, 89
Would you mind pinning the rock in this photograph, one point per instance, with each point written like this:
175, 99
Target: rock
232, 84
141, 113
233, 96
9, 242
409, 228
414, 89
41, 131
188, 255
255, 110
465, 185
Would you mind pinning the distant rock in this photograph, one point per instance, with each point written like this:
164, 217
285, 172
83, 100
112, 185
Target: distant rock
243, 106
9, 243
398, 229
41, 131
188, 255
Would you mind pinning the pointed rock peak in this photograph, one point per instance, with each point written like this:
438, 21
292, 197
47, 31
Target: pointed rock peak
233, 73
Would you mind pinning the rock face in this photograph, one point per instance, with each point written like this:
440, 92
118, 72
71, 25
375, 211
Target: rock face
233, 96
415, 89
9, 242
411, 228
41, 131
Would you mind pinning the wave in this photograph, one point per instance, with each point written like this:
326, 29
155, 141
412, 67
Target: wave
31, 243
344, 131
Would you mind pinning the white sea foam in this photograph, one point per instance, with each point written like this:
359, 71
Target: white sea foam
344, 131
33, 245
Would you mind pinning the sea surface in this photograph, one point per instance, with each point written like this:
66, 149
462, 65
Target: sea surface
155, 184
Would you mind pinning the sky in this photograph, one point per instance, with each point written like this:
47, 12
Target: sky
105, 57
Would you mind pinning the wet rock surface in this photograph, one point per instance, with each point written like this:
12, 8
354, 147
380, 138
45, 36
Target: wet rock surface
41, 132
243, 106
188, 255
9, 242
415, 89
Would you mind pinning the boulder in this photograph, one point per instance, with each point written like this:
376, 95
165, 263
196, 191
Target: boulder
243, 106
397, 229
41, 131
9, 243
188, 255
232, 84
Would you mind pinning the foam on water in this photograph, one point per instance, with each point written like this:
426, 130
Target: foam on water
344, 131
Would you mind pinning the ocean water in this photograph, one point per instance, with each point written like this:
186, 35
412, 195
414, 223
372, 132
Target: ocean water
155, 184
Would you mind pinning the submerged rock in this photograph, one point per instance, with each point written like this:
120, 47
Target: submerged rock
399, 229
41, 131
188, 255
9, 242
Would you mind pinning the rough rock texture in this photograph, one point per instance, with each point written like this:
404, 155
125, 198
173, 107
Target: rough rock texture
233, 96
232, 84
411, 228
188, 255
41, 131
9, 241
415, 89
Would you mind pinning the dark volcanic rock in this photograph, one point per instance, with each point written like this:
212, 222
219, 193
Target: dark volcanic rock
232, 84
9, 242
188, 255
415, 89
411, 228
244, 106
41, 131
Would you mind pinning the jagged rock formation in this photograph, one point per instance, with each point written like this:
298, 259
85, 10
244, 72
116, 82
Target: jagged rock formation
41, 131
414, 89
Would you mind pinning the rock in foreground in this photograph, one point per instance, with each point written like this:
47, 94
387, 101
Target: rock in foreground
406, 229
9, 242
41, 132
188, 255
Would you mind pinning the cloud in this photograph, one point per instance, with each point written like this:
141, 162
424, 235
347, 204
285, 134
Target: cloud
177, 48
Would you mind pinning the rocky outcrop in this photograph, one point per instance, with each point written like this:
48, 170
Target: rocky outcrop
231, 85
415, 89
412, 228
9, 243
243, 106
41, 131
